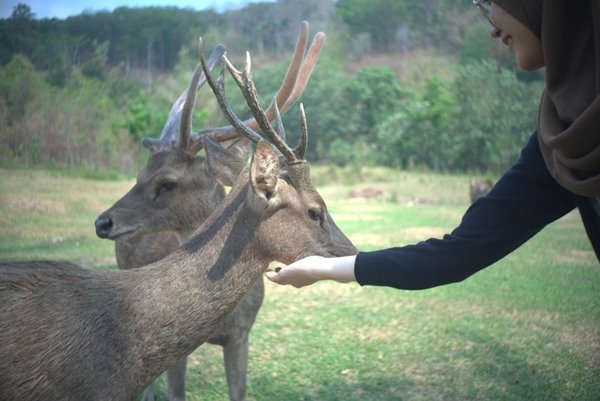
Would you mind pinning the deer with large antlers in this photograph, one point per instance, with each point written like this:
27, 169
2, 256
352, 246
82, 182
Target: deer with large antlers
177, 190
69, 333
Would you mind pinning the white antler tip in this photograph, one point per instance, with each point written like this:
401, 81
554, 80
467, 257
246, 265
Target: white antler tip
248, 60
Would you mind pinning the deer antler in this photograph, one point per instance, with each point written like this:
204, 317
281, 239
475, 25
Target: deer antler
177, 129
291, 89
245, 83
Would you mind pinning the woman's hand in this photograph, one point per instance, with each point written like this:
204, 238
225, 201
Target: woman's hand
311, 269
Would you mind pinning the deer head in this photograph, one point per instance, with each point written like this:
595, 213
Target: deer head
177, 189
284, 198
479, 189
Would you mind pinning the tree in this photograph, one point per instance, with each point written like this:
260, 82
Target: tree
494, 115
479, 121
19, 33
381, 19
417, 133
94, 66
144, 120
20, 84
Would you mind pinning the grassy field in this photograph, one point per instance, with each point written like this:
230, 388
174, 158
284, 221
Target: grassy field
527, 328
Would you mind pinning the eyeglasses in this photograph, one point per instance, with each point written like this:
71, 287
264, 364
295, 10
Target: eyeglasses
484, 7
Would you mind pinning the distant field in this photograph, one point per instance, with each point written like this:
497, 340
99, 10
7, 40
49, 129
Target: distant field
527, 328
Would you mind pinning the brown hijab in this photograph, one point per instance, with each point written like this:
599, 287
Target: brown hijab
569, 115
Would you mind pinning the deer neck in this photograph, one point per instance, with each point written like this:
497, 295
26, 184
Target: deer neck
192, 219
182, 298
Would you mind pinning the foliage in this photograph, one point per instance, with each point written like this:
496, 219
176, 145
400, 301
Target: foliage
18, 34
379, 18
375, 92
94, 66
417, 134
478, 122
76, 125
407, 24
476, 45
328, 111
128, 66
343, 131
20, 84
489, 133
143, 119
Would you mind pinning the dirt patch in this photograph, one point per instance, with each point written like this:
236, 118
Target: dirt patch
574, 256
367, 193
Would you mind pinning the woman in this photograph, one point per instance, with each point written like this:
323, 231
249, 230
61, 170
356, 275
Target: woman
559, 169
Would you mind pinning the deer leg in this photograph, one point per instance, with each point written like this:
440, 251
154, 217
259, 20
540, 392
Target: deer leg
149, 393
235, 353
176, 381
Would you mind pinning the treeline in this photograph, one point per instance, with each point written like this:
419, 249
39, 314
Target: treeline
401, 83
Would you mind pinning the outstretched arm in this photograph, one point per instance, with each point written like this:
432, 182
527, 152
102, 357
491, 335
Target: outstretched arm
525, 200
309, 270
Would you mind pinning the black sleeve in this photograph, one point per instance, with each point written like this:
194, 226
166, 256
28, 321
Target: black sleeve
523, 202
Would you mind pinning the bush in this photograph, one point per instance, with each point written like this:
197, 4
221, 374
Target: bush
495, 113
480, 121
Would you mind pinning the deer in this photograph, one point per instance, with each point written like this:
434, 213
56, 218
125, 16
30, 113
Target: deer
178, 189
479, 189
70, 333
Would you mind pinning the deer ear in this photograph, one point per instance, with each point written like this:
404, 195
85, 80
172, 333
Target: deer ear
239, 150
153, 145
264, 171
224, 164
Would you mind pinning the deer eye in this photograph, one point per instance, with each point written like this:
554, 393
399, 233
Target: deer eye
315, 214
168, 186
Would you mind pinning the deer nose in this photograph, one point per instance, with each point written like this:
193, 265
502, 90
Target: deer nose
104, 226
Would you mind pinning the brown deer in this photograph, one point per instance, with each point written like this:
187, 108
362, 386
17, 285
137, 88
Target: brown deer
479, 188
69, 333
177, 190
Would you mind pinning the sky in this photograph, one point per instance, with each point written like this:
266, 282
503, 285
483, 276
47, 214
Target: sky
64, 8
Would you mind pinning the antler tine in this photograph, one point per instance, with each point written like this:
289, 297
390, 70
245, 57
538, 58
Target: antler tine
306, 70
218, 88
292, 87
177, 129
244, 81
185, 119
291, 76
300, 150
279, 128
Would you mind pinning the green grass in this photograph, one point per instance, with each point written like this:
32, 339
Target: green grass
527, 328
